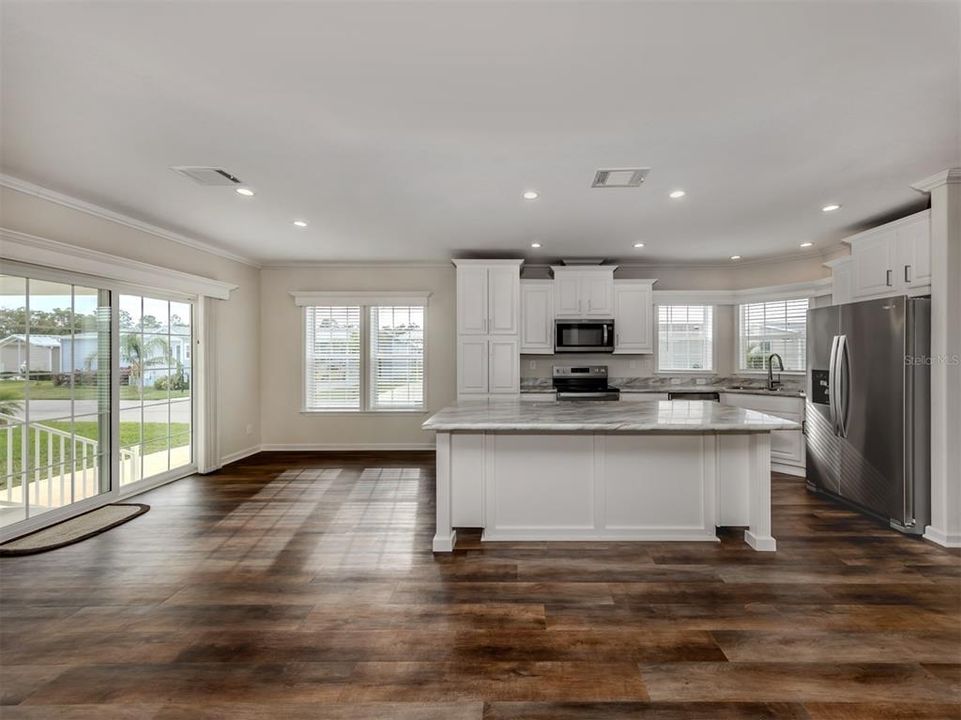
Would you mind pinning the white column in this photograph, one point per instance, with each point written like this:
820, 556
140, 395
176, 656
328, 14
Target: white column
758, 534
945, 189
444, 535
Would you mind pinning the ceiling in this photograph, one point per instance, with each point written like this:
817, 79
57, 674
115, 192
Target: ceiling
410, 130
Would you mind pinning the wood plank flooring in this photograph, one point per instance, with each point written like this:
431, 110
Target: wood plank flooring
302, 586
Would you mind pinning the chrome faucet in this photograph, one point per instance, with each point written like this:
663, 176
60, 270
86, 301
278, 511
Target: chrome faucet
773, 384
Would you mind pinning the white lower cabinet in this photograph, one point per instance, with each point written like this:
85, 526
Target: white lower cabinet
642, 397
488, 365
787, 446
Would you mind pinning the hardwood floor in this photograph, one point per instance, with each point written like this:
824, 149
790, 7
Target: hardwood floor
303, 586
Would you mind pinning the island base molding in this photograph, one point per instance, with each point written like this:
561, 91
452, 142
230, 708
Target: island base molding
603, 486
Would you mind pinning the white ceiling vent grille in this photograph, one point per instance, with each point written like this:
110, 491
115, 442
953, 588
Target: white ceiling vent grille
620, 177
206, 175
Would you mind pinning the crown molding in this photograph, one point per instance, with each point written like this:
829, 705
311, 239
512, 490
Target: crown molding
951, 176
27, 188
894, 224
357, 264
30, 249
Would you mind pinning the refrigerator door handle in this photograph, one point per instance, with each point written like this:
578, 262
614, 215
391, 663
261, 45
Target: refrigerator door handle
844, 389
833, 385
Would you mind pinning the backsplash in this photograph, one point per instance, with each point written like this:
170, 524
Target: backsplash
790, 383
617, 365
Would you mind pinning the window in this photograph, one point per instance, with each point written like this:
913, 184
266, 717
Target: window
364, 357
685, 338
778, 327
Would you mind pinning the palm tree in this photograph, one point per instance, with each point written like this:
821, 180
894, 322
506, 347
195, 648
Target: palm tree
140, 352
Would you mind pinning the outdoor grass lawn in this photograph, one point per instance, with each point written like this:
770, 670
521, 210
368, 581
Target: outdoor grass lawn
46, 390
154, 440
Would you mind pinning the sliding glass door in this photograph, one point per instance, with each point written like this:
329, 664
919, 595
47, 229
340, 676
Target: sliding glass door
156, 380
55, 405
95, 393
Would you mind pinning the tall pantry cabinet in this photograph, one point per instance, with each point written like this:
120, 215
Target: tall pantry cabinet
488, 327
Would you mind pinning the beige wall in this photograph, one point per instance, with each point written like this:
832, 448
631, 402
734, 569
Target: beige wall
281, 347
238, 330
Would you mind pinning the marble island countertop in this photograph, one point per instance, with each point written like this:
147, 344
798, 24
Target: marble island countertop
587, 416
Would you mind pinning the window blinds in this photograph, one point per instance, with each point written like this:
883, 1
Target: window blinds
685, 337
396, 357
332, 343
779, 326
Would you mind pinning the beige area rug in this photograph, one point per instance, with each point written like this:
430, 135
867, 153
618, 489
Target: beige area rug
73, 530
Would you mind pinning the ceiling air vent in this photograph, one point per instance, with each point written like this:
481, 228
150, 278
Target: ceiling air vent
620, 177
206, 175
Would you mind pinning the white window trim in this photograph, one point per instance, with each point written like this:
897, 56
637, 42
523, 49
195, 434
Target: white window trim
305, 299
737, 338
657, 343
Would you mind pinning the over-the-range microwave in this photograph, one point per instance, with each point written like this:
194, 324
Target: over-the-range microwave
584, 336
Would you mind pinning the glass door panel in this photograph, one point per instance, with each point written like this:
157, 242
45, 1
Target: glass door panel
155, 395
54, 395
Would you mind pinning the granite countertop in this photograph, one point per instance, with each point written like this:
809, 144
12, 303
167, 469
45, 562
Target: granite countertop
586, 416
659, 384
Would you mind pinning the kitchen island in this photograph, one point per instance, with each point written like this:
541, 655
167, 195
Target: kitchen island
662, 470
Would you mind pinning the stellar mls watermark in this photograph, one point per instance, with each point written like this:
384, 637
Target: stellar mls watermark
954, 360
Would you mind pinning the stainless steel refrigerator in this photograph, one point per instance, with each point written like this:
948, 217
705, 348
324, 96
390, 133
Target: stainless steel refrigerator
868, 407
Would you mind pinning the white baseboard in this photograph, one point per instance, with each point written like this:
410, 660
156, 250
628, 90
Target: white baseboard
788, 469
239, 455
939, 537
344, 447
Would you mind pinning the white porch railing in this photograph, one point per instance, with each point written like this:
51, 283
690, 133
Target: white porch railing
69, 472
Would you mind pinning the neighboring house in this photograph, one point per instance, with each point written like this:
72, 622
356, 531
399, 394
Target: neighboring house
43, 352
78, 352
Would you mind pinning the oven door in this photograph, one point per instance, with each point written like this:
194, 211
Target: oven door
585, 336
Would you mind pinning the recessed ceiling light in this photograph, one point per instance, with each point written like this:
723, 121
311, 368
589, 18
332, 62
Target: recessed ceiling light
735, 257
535, 245
246, 192
831, 208
677, 194
807, 244
638, 245
531, 195
300, 223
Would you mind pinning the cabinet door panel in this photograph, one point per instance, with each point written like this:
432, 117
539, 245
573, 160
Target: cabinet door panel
537, 317
567, 295
472, 300
597, 290
786, 445
503, 287
472, 365
914, 253
633, 319
873, 264
504, 366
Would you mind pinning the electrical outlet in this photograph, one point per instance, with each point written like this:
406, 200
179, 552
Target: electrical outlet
533, 365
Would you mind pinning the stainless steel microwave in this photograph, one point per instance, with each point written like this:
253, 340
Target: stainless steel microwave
584, 336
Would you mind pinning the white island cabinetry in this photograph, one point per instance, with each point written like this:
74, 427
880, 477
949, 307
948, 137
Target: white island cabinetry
603, 471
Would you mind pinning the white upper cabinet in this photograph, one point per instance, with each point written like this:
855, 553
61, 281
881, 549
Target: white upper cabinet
634, 316
488, 297
537, 317
472, 300
892, 259
503, 284
584, 292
